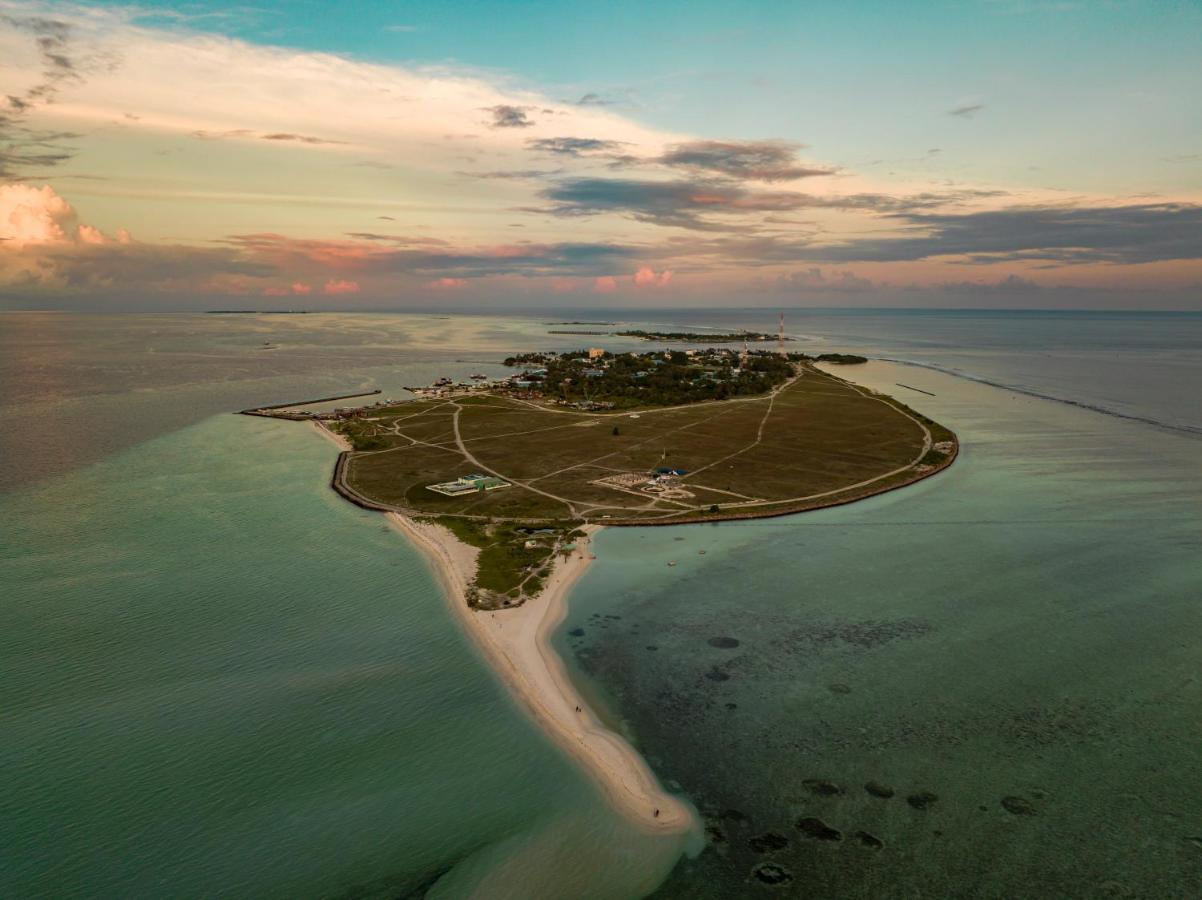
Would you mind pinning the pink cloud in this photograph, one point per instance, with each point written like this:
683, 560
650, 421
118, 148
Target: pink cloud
447, 284
563, 285
299, 287
341, 287
39, 216
605, 284
646, 277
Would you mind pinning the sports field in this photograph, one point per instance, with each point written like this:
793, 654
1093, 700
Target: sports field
814, 441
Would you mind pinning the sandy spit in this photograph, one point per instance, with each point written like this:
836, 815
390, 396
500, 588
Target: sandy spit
517, 644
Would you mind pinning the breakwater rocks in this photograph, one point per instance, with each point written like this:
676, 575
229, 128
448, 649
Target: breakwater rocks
274, 411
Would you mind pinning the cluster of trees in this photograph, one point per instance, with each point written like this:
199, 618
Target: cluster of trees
663, 379
846, 359
528, 359
696, 338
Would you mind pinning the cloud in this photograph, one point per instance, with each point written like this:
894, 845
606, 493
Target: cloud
677, 203
814, 279
709, 204
513, 175
39, 216
966, 111
422, 258
647, 277
754, 160
339, 286
591, 99
447, 284
50, 44
108, 64
302, 138
574, 146
605, 284
246, 133
1131, 234
506, 116
1011, 284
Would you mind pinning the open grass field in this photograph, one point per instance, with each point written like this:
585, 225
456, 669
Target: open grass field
814, 441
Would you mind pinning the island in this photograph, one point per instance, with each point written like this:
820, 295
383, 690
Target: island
691, 337
503, 484
516, 467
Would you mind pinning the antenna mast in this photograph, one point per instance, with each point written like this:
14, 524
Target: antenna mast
780, 335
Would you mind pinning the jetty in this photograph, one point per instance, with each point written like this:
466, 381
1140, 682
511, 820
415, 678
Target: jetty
273, 411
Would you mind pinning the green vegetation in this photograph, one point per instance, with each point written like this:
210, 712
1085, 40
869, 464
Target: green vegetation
514, 559
362, 437
841, 359
933, 457
671, 378
811, 440
692, 337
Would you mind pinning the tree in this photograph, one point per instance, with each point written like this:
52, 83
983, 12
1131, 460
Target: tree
714, 508
617, 431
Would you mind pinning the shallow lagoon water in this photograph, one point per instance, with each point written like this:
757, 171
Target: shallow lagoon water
1020, 637
219, 678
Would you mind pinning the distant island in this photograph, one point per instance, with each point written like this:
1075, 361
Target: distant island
256, 312
580, 323
693, 337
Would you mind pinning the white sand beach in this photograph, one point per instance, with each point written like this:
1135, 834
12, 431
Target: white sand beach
338, 440
517, 643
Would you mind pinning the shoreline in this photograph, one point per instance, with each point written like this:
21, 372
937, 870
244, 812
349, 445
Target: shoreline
516, 643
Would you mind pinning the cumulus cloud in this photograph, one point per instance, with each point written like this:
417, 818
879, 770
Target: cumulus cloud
753, 160
605, 284
648, 277
340, 286
814, 279
38, 215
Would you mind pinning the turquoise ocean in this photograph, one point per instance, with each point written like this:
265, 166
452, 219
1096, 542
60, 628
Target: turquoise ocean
218, 679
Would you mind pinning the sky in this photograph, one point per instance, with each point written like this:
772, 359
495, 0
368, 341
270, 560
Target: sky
996, 153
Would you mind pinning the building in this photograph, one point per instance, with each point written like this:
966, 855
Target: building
595, 353
466, 484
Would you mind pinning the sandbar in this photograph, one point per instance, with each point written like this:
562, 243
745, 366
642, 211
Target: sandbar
517, 643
